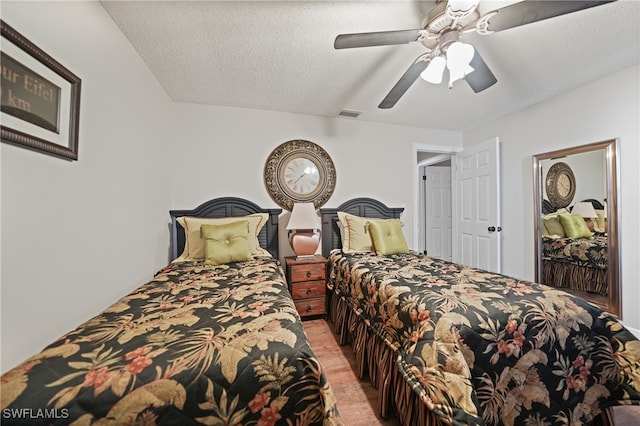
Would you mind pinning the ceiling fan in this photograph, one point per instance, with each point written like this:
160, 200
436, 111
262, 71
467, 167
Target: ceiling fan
441, 32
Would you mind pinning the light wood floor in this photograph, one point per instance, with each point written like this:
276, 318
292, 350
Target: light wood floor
357, 399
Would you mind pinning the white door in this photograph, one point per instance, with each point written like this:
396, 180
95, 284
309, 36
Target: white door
477, 206
438, 226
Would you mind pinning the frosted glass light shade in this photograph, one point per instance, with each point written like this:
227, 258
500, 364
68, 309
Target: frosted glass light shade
459, 56
433, 73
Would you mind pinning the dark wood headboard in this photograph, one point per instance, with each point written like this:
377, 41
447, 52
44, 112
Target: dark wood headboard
547, 207
226, 207
363, 207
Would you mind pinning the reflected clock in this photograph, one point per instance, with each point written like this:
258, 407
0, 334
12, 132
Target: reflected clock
299, 171
560, 185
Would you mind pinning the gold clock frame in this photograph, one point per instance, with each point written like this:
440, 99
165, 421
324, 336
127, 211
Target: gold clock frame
274, 171
551, 182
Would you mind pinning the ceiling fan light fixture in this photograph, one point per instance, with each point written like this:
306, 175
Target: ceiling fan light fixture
459, 56
435, 70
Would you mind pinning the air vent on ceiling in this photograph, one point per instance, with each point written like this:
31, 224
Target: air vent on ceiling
349, 113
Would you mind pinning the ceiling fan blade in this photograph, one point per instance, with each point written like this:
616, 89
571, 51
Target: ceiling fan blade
407, 79
383, 38
526, 12
481, 78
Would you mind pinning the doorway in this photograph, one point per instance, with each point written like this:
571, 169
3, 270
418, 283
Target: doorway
436, 205
425, 157
474, 204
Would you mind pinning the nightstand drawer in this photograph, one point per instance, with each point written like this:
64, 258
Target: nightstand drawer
307, 289
307, 272
308, 307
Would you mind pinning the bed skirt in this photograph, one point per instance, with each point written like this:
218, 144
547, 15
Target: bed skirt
575, 277
377, 359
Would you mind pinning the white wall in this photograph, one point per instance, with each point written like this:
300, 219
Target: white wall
221, 151
76, 236
609, 108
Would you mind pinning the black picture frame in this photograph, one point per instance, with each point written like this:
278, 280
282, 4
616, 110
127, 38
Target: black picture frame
41, 78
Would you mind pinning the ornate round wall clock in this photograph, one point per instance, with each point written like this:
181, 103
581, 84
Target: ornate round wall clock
560, 185
299, 171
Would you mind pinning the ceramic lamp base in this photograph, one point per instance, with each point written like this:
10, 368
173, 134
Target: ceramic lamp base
304, 242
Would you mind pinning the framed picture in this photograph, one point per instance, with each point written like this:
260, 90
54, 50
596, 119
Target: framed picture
40, 98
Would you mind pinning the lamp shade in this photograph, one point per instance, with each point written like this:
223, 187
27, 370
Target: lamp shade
584, 209
303, 216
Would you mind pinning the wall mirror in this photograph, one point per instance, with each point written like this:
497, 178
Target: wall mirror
569, 184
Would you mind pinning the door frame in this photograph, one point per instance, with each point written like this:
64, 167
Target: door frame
446, 151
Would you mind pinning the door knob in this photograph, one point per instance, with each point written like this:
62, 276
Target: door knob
491, 229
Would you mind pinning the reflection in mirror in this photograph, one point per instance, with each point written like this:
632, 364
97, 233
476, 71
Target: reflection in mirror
577, 222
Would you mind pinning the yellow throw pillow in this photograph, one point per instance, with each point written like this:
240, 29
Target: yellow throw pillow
600, 222
226, 243
387, 236
574, 226
194, 244
356, 237
553, 226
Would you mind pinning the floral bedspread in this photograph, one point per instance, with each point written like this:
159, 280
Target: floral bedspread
482, 348
198, 344
590, 252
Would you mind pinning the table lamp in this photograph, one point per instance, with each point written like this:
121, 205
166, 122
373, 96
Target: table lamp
304, 233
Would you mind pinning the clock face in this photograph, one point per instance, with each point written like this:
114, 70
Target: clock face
560, 185
301, 176
563, 185
299, 171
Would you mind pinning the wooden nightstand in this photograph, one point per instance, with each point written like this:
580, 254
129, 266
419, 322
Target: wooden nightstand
307, 281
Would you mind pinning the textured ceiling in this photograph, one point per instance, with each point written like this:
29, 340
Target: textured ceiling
279, 55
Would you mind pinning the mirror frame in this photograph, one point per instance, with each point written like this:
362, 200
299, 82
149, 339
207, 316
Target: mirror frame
610, 148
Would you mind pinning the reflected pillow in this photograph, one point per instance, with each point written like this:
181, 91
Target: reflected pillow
387, 236
600, 222
574, 226
226, 243
551, 226
194, 243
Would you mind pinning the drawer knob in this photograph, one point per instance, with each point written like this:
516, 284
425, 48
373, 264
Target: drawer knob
308, 291
308, 274
309, 308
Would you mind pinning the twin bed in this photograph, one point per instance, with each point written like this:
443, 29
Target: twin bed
449, 344
223, 344
198, 344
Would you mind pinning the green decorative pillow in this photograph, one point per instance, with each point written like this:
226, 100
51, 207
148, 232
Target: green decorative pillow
226, 243
574, 226
194, 242
387, 236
